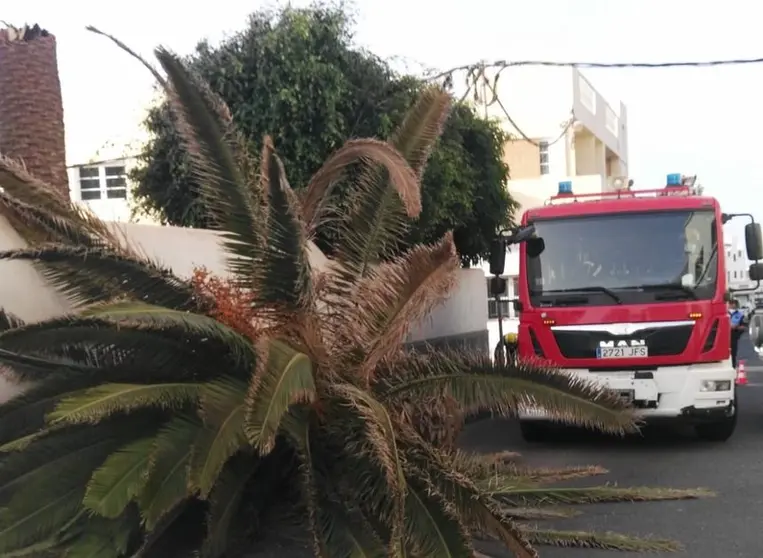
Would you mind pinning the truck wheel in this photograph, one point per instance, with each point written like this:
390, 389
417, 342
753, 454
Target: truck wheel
718, 431
534, 431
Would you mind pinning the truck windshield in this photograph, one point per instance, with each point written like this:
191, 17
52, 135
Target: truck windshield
625, 258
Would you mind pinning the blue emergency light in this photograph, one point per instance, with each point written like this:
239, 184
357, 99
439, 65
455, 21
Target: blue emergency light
674, 180
565, 188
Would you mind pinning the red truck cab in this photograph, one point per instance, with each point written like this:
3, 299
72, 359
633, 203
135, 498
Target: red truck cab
629, 290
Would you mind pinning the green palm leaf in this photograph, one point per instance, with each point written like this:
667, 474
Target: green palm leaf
92, 546
27, 525
120, 479
42, 487
222, 409
282, 274
119, 351
344, 530
91, 275
430, 529
147, 317
96, 404
481, 385
167, 484
286, 378
224, 503
220, 181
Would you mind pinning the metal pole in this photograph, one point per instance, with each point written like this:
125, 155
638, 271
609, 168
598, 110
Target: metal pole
501, 347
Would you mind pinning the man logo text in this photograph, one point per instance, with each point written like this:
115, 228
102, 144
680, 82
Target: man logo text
622, 343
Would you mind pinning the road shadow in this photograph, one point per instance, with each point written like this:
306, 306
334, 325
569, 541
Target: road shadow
494, 434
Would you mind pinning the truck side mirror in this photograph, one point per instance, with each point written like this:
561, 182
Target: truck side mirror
753, 240
756, 272
535, 247
497, 256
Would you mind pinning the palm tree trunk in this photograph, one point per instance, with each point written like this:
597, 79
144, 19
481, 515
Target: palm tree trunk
31, 109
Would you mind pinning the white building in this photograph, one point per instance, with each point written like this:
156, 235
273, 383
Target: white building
562, 129
104, 187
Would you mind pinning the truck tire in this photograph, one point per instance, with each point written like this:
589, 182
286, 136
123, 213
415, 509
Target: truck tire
718, 431
534, 431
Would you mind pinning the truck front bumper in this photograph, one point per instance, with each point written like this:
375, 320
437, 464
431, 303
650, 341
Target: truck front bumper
694, 393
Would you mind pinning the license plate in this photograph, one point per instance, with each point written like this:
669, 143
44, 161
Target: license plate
622, 352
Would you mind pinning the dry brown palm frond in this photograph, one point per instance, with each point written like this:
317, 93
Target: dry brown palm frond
317, 194
398, 294
422, 127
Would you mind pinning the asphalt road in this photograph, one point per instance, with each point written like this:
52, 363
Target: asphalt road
727, 526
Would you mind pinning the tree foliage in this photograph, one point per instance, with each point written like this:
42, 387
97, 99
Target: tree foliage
172, 416
296, 75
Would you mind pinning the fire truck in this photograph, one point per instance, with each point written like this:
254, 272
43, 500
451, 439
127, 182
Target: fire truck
629, 289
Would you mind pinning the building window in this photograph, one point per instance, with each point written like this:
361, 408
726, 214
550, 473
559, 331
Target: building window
103, 182
739, 253
735, 275
116, 182
543, 151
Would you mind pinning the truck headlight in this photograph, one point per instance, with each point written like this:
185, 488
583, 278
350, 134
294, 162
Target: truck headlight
715, 385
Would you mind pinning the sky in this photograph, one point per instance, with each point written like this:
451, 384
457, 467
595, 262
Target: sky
693, 121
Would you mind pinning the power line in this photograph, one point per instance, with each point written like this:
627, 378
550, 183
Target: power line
643, 65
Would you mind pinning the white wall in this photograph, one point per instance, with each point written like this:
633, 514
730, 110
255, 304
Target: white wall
464, 312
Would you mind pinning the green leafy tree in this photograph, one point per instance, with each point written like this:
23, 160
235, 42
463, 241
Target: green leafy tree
295, 74
168, 416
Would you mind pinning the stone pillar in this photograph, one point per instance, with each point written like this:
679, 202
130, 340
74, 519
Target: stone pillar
31, 109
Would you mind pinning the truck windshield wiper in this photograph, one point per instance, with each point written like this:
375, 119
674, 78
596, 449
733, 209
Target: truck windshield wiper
675, 288
583, 290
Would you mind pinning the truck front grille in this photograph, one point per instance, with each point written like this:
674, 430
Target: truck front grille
661, 341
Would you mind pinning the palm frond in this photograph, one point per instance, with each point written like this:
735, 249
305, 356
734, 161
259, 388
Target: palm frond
36, 225
601, 541
43, 486
432, 526
42, 203
93, 405
316, 200
222, 409
535, 514
224, 503
396, 295
147, 317
479, 384
479, 512
120, 479
285, 379
598, 495
422, 127
167, 485
9, 321
89, 275
282, 274
382, 209
92, 536
344, 531
379, 445
118, 352
221, 184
